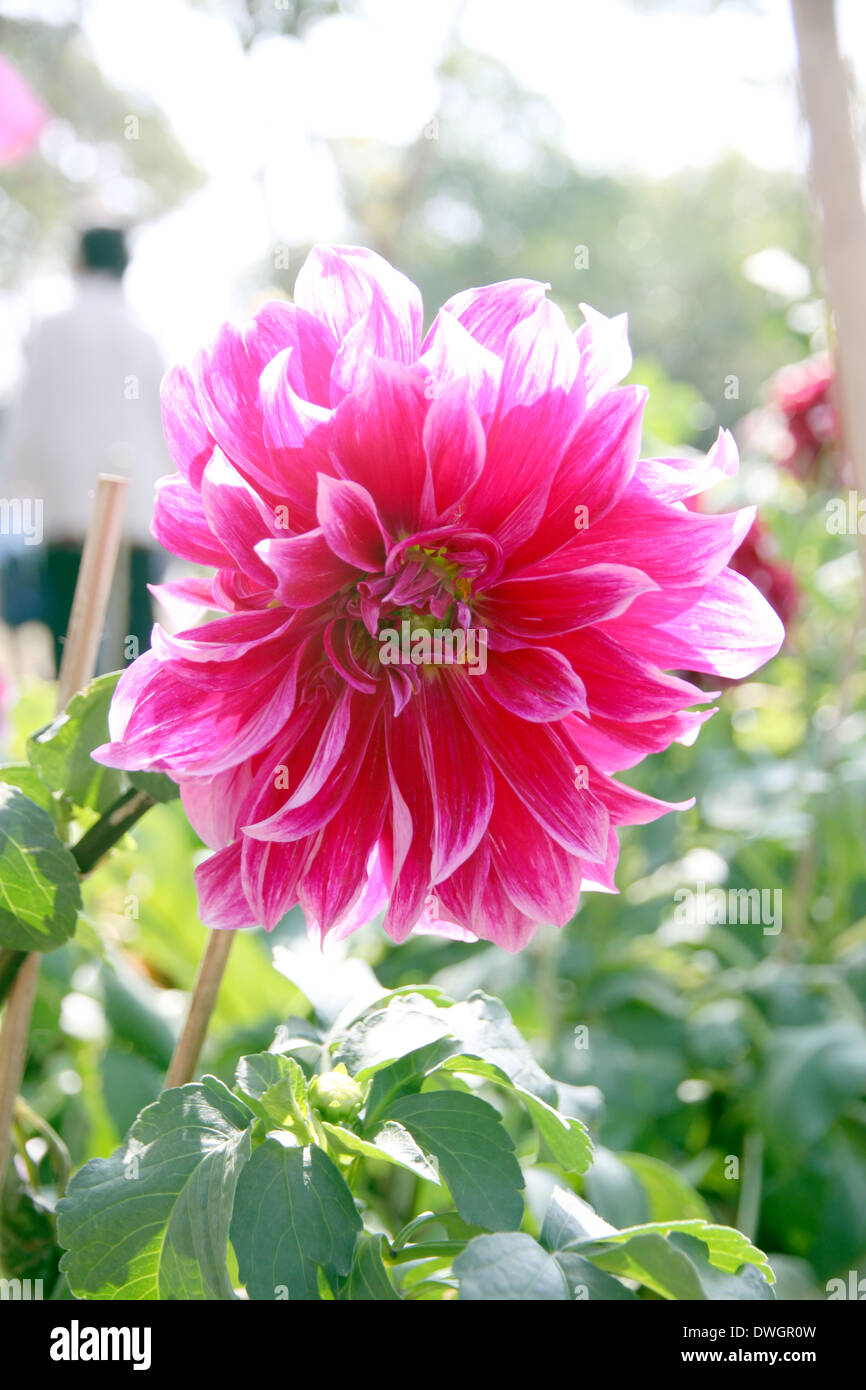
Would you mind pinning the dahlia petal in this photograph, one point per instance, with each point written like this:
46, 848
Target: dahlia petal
594, 474
227, 379
542, 774
221, 900
378, 442
543, 605
673, 479
604, 352
335, 873
176, 728
237, 515
331, 773
212, 804
185, 600
350, 523
539, 407
409, 854
621, 684
306, 568
340, 284
461, 784
728, 631
672, 545
616, 746
451, 355
296, 435
269, 874
189, 442
454, 444
537, 683
500, 920
540, 878
181, 525
491, 312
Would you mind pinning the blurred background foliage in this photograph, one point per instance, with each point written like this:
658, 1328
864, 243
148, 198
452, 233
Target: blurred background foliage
724, 1068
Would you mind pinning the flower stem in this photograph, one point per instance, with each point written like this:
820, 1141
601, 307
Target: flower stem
201, 1006
111, 827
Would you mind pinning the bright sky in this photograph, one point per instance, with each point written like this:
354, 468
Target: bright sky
635, 90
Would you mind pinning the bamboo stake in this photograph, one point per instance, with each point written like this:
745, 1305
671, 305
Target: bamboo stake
204, 992
835, 158
86, 622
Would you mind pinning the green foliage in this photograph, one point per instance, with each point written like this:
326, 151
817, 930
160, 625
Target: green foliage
40, 897
296, 1193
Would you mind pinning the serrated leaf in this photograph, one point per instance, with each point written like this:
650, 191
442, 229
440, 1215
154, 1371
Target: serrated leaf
293, 1216
61, 752
650, 1255
567, 1138
406, 1022
509, 1269
28, 781
474, 1151
727, 1247
382, 1035
369, 1281
40, 896
391, 1144
405, 1075
152, 1221
586, 1282
275, 1088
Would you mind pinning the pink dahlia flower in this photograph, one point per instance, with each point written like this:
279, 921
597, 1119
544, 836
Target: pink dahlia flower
449, 589
22, 115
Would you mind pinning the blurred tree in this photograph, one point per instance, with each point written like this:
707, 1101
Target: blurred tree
105, 155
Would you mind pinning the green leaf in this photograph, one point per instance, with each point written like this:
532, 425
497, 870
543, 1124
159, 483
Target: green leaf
274, 1087
670, 1197
727, 1247
474, 1151
568, 1139
39, 894
380, 1036
392, 1144
407, 1022
293, 1215
689, 1259
369, 1281
152, 1221
61, 752
588, 1283
28, 781
404, 1077
156, 784
509, 1269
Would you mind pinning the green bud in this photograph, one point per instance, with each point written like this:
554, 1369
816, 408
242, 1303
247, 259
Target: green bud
336, 1095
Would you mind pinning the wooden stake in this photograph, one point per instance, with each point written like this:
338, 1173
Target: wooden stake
204, 993
87, 619
825, 85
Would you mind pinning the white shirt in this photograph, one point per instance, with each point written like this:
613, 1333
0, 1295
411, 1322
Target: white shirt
89, 404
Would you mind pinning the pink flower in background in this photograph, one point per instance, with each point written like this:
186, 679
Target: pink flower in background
804, 394
478, 489
22, 115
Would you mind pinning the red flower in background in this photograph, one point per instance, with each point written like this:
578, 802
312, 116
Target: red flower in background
805, 395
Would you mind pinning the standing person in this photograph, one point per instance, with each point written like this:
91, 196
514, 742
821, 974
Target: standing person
89, 403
